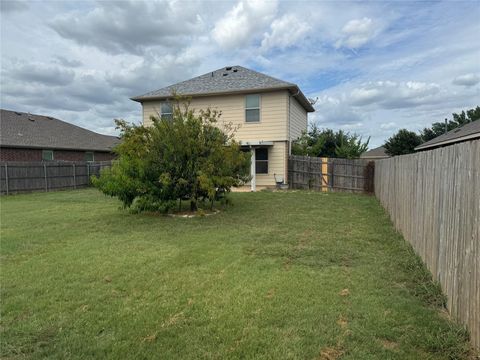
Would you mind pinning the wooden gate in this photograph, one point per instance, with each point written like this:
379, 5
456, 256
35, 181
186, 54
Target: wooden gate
331, 174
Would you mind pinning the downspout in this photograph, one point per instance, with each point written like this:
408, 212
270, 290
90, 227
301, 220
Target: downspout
289, 150
289, 122
289, 133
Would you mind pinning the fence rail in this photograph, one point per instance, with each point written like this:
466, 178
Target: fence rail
433, 199
19, 177
330, 174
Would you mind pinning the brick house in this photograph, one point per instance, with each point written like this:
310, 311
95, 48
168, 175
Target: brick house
28, 137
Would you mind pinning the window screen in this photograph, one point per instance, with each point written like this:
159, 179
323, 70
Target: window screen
252, 108
167, 111
261, 161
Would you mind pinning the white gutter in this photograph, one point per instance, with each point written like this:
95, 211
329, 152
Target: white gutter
256, 143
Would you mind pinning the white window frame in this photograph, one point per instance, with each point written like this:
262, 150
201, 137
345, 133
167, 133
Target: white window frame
47, 151
254, 108
162, 114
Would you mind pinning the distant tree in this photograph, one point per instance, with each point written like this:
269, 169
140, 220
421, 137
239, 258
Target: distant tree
403, 142
185, 157
328, 143
438, 128
351, 147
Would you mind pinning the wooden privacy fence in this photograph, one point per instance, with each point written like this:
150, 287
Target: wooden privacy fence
330, 174
18, 177
433, 198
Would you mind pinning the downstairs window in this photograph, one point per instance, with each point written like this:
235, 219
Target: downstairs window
261, 160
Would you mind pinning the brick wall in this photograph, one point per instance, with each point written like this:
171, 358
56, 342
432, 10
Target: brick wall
22, 154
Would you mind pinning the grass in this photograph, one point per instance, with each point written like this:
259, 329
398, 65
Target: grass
294, 275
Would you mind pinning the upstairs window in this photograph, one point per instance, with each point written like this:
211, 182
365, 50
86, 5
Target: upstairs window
252, 108
89, 156
167, 111
261, 161
47, 155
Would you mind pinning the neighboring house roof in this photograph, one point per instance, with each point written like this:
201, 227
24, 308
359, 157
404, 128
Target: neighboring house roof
377, 153
23, 130
227, 80
468, 131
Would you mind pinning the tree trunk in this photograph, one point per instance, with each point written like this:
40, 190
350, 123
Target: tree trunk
193, 205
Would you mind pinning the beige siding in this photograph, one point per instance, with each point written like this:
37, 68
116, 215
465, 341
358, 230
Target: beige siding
273, 125
273, 114
298, 119
276, 164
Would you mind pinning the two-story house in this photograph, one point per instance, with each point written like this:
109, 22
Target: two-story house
269, 114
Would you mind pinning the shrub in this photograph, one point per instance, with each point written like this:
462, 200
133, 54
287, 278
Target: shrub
185, 157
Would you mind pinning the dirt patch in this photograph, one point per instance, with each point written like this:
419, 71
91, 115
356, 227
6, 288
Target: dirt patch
330, 353
270, 294
193, 214
342, 322
344, 292
149, 338
388, 344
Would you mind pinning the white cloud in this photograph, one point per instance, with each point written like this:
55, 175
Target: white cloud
394, 95
388, 126
285, 32
357, 33
240, 26
467, 80
334, 112
130, 26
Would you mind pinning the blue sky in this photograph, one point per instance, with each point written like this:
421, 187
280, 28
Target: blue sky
375, 67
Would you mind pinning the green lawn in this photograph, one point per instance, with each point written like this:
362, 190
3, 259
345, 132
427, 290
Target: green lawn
293, 275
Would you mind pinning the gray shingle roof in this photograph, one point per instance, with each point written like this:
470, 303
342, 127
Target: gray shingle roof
18, 129
466, 132
231, 79
377, 153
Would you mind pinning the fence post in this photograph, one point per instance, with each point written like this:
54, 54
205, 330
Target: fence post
332, 174
45, 175
74, 178
369, 184
324, 162
88, 173
6, 178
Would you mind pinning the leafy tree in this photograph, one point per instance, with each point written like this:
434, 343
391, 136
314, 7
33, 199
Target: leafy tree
403, 142
327, 143
438, 128
185, 157
351, 147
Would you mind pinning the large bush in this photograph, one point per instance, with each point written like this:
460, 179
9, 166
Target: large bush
328, 143
190, 156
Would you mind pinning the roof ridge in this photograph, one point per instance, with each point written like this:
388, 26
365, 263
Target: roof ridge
272, 77
286, 83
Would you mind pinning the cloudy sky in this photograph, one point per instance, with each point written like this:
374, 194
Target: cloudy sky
375, 66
